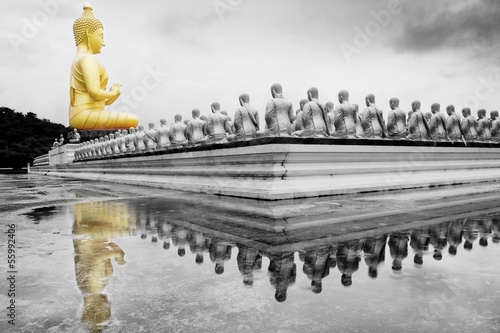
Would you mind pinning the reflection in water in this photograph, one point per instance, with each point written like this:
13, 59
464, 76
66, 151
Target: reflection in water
94, 224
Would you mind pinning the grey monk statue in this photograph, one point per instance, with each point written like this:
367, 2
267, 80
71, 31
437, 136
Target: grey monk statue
437, 125
453, 129
344, 117
468, 125
372, 119
196, 130
246, 119
217, 125
396, 121
314, 117
418, 129
279, 114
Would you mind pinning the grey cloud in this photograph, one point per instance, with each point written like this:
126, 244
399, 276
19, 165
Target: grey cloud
437, 25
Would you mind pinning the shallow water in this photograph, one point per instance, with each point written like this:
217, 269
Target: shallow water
163, 265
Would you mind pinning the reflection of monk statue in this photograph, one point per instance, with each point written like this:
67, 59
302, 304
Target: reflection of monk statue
344, 117
196, 130
198, 244
88, 95
94, 224
316, 266
418, 128
279, 114
437, 124
419, 241
439, 234
372, 119
297, 123
246, 119
374, 249
398, 246
453, 129
396, 121
454, 236
220, 252
249, 260
483, 126
348, 258
468, 125
282, 273
314, 117
470, 233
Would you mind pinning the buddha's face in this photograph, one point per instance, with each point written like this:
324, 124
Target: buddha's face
96, 40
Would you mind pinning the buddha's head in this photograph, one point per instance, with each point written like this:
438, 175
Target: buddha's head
111, 136
106, 138
224, 113
151, 125
494, 115
370, 99
244, 99
343, 96
466, 112
87, 29
140, 128
124, 132
195, 113
450, 109
276, 90
131, 130
177, 118
312, 93
394, 103
163, 122
415, 105
435, 108
186, 122
481, 113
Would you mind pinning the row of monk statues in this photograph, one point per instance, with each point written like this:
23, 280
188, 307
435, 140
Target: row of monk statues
346, 256
313, 119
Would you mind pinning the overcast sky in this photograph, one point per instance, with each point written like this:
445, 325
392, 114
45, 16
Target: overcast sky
176, 55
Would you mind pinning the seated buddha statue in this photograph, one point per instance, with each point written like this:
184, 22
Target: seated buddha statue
246, 119
178, 132
314, 117
196, 130
217, 125
418, 128
297, 123
437, 124
372, 119
453, 129
162, 135
88, 81
279, 114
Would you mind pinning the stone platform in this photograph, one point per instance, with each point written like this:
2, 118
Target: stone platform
287, 168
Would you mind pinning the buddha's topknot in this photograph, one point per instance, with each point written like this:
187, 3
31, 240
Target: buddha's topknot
85, 22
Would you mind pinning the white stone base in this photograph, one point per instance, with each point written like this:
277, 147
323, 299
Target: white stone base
285, 171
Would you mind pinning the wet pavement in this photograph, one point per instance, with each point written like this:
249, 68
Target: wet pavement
97, 257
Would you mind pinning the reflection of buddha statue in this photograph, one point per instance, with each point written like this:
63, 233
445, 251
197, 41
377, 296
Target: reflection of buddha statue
396, 121
485, 227
372, 119
468, 125
198, 244
470, 233
246, 119
88, 95
196, 130
314, 117
453, 129
495, 228
345, 117
374, 250
437, 124
94, 224
495, 126
483, 126
279, 114
297, 123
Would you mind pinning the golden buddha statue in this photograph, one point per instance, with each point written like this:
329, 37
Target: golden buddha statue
88, 81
